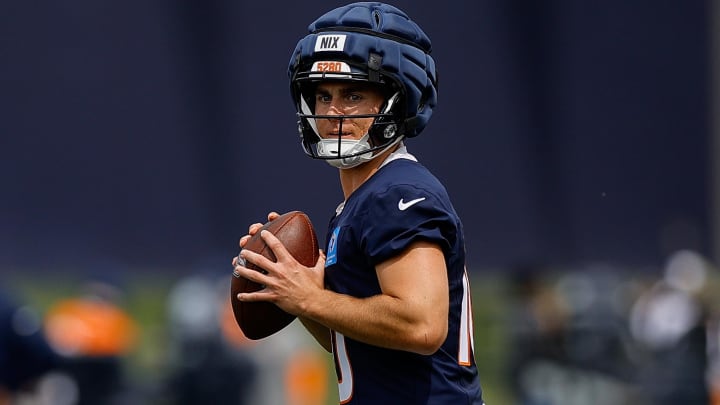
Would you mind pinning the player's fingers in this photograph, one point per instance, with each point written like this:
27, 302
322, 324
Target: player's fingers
261, 295
272, 215
252, 275
244, 240
277, 247
252, 229
256, 259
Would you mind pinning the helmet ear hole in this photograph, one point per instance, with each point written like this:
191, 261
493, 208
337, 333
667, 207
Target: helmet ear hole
423, 99
376, 17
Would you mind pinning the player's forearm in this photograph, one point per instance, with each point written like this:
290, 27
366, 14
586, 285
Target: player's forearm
320, 332
380, 320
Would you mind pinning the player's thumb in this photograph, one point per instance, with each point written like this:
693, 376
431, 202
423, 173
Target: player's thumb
320, 265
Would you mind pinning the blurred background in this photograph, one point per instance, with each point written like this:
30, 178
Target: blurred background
138, 139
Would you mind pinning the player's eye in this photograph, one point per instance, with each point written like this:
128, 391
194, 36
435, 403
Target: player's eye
323, 98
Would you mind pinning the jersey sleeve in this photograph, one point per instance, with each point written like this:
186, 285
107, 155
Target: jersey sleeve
404, 214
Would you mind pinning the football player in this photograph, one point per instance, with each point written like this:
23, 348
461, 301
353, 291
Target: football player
390, 297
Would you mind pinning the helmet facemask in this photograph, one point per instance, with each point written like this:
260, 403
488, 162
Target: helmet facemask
340, 151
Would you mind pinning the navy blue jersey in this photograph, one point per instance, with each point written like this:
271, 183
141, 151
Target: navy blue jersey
400, 204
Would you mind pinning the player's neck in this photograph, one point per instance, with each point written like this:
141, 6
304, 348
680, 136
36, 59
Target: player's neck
352, 179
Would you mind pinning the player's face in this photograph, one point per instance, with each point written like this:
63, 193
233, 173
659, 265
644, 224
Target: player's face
343, 98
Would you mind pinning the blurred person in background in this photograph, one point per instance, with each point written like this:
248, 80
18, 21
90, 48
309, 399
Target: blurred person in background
669, 325
536, 327
569, 339
25, 355
714, 356
93, 334
208, 362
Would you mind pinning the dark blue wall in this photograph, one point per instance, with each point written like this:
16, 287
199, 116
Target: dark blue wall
149, 134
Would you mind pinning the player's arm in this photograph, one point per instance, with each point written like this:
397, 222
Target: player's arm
321, 333
410, 314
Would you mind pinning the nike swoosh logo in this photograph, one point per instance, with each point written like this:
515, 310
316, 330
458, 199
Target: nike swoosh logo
402, 205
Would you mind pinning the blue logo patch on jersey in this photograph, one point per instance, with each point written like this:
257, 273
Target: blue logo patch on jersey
332, 248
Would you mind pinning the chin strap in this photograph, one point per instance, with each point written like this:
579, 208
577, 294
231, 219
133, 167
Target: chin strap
410, 124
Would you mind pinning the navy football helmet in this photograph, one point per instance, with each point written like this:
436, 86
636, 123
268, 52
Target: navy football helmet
365, 42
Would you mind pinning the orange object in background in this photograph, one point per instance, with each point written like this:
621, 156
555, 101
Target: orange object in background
89, 327
306, 378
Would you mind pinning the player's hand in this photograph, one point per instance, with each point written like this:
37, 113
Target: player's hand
252, 230
288, 284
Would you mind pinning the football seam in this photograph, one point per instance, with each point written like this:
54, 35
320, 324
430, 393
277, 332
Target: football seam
311, 230
265, 246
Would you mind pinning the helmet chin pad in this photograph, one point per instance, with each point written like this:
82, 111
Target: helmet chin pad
351, 151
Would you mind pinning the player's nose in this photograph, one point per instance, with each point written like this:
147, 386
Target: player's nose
336, 108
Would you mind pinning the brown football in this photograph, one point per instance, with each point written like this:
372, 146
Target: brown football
261, 319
